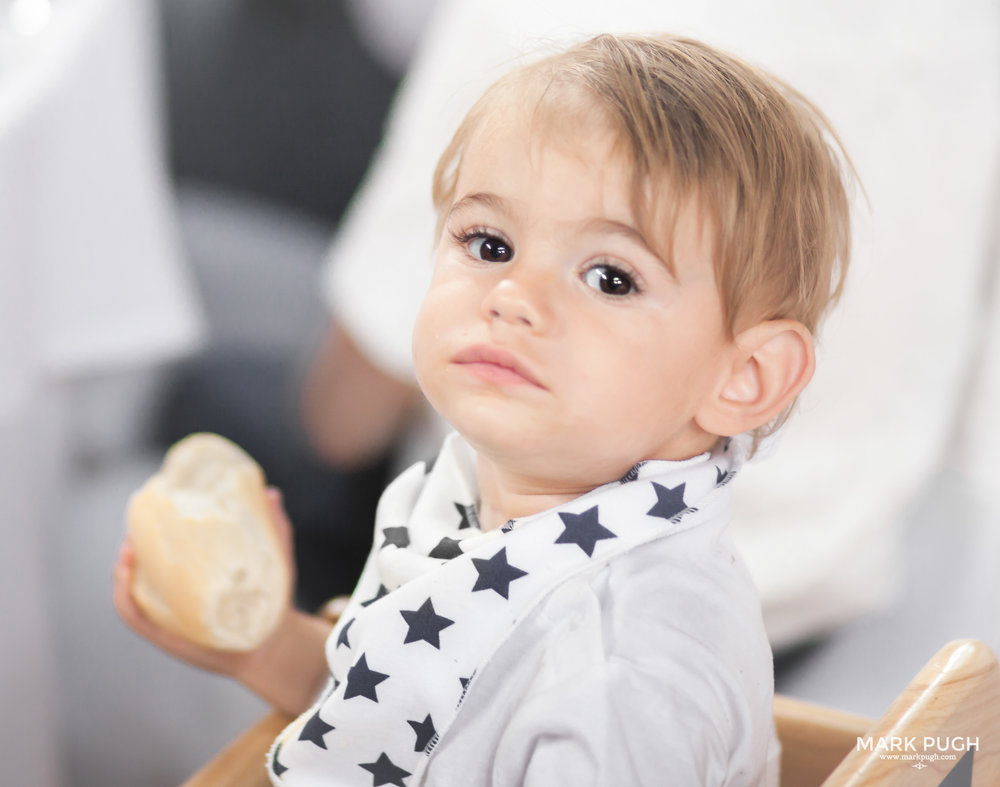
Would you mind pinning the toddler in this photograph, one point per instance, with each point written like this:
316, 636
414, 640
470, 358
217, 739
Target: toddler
637, 239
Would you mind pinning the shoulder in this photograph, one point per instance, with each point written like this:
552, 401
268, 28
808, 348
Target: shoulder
657, 659
689, 587
676, 618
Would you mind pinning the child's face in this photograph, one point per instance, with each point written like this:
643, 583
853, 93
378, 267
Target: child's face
552, 337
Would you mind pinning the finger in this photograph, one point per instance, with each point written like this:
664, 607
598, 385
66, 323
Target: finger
126, 553
124, 602
122, 574
277, 503
282, 524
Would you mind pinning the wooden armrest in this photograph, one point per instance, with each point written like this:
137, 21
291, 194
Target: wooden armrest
243, 762
952, 701
814, 739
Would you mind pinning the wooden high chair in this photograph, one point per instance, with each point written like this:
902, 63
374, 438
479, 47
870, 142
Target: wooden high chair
955, 700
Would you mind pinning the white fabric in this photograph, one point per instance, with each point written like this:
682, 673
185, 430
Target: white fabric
914, 91
89, 245
606, 641
90, 282
976, 456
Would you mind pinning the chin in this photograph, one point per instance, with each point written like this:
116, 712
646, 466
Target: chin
492, 442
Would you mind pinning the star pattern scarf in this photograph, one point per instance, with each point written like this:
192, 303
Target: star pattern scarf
439, 596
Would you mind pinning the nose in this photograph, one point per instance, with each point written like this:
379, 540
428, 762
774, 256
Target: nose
517, 300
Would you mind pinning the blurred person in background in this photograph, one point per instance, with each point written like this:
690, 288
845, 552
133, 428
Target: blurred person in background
275, 107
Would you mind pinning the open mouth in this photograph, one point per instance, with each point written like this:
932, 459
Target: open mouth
497, 366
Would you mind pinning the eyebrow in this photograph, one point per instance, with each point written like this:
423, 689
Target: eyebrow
483, 199
608, 226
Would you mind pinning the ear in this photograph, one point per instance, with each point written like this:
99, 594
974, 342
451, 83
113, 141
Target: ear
771, 363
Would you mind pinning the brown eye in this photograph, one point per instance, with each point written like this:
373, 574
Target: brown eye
609, 280
490, 248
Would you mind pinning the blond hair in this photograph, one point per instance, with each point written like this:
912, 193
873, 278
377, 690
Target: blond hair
763, 163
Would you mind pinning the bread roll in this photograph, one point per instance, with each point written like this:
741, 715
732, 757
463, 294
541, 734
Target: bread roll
209, 565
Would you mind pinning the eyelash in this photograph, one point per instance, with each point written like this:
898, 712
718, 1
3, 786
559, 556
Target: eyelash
464, 238
614, 272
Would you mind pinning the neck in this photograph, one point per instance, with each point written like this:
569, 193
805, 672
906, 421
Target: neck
506, 494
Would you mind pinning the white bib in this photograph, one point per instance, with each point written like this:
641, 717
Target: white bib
439, 596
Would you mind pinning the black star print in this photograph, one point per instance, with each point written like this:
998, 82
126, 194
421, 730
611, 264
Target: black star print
314, 730
397, 536
465, 686
447, 548
583, 530
424, 624
384, 771
425, 732
669, 502
276, 766
469, 516
382, 590
632, 474
342, 636
496, 573
361, 681
723, 477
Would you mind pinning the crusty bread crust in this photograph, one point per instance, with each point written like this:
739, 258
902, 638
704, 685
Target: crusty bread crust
209, 565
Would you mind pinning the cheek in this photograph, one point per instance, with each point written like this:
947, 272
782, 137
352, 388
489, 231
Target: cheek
645, 370
438, 309
438, 324
425, 333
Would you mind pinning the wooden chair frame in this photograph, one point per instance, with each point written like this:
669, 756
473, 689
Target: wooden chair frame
955, 698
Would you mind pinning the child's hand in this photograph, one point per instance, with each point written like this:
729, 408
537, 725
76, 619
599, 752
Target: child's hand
286, 670
283, 527
231, 663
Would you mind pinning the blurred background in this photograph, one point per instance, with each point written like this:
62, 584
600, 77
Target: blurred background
172, 176
172, 173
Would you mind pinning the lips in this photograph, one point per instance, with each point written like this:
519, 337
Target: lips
495, 365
